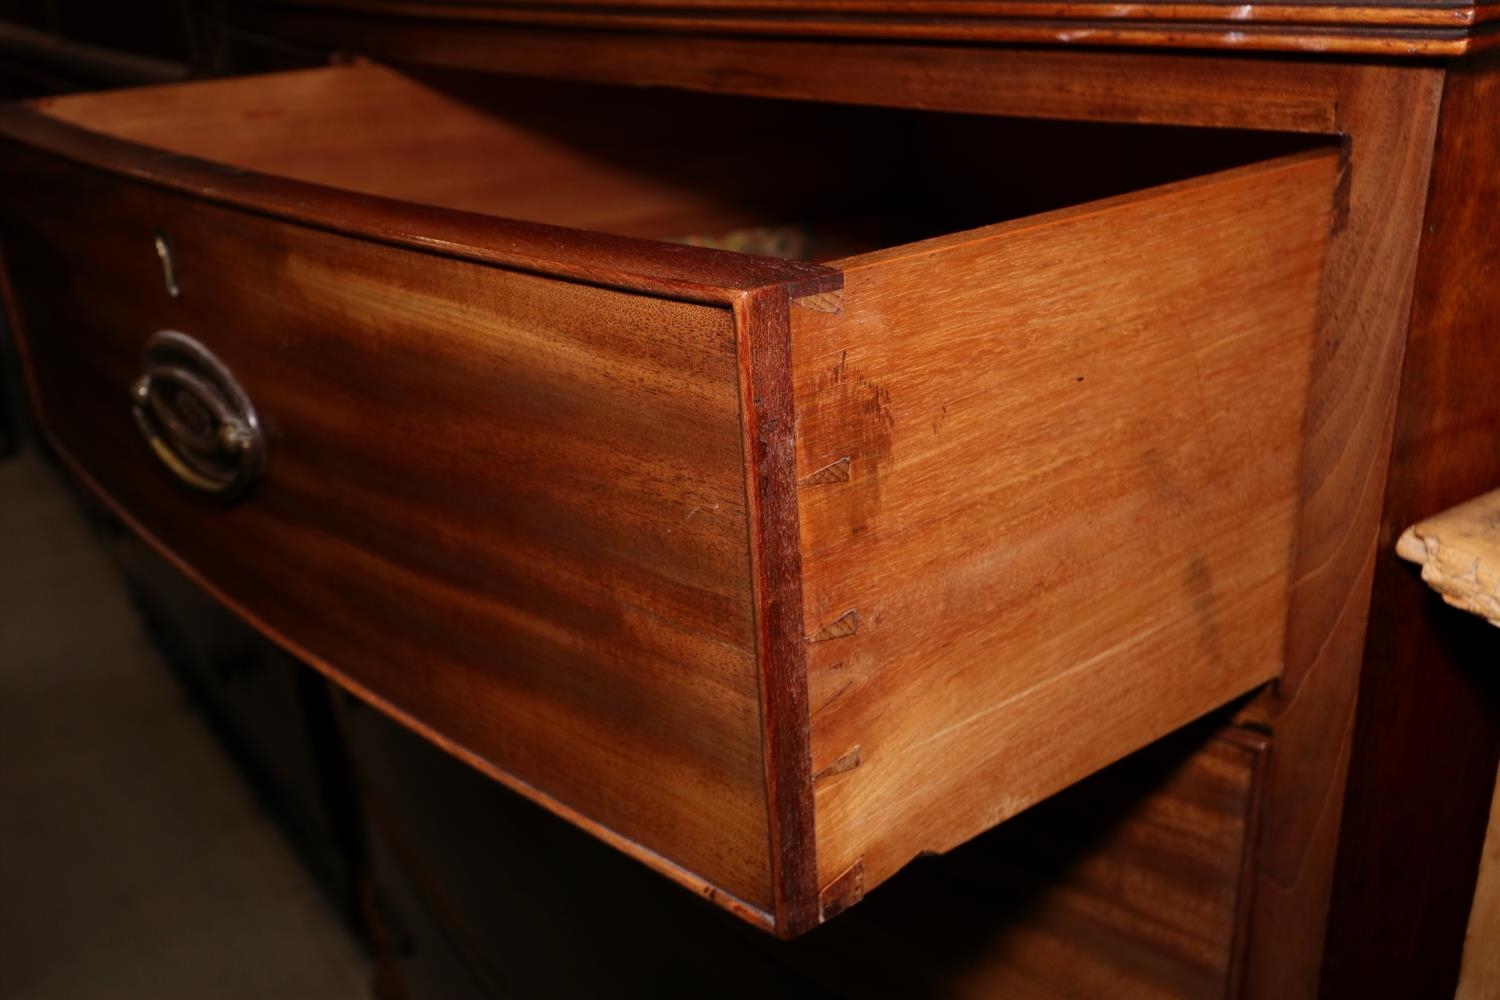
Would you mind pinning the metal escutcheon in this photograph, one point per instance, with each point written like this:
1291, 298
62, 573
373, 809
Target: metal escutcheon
196, 418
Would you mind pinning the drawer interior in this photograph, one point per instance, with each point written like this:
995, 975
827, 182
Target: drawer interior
791, 179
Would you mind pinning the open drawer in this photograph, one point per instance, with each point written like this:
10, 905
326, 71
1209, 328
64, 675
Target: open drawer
773, 573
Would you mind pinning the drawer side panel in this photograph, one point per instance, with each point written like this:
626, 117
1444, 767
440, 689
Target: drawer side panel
1049, 487
509, 509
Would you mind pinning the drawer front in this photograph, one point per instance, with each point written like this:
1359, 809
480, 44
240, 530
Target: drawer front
511, 509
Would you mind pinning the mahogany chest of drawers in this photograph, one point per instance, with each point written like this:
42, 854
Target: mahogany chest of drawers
780, 447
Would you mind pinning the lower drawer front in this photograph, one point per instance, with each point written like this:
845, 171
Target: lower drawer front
1129, 885
512, 509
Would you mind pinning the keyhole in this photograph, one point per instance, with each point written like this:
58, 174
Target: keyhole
168, 265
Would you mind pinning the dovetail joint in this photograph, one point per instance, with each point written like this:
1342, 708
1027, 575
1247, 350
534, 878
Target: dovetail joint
834, 472
843, 892
825, 302
847, 762
845, 624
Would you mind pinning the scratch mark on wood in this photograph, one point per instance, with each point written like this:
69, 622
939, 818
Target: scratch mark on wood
847, 762
835, 472
828, 684
845, 624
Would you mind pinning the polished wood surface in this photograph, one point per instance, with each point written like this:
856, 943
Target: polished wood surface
1284, 95
708, 653
1401, 28
768, 406
1048, 509
1428, 734
1385, 116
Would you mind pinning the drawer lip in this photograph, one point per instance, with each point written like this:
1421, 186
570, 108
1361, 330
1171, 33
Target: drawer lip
668, 270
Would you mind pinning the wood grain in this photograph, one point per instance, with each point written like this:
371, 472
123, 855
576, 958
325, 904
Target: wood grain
1404, 28
1386, 116
1429, 702
1073, 444
510, 510
1177, 828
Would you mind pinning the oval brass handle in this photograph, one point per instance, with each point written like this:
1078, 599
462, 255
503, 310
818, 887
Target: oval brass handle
196, 418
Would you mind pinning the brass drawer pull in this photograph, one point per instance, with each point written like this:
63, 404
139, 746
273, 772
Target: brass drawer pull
196, 418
